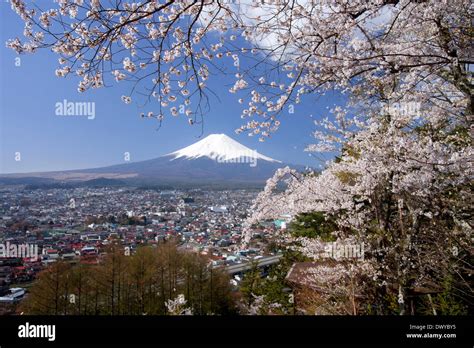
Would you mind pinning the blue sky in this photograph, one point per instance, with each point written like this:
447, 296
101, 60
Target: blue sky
45, 141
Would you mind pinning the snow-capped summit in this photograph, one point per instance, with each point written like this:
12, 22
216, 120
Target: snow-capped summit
215, 161
219, 147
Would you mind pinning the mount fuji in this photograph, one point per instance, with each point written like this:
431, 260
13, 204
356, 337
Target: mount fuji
216, 160
220, 147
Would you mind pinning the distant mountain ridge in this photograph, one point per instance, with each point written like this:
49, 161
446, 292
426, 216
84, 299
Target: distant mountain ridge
216, 159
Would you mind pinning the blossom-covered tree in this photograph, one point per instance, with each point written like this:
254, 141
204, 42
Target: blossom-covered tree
401, 183
177, 306
169, 49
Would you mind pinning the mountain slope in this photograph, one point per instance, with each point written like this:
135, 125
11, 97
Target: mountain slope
214, 159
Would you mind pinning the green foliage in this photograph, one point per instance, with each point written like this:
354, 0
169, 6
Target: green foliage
445, 303
391, 305
251, 285
313, 225
273, 286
